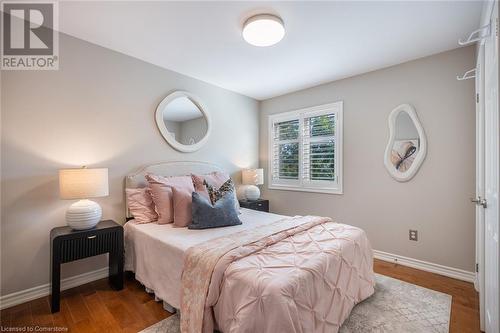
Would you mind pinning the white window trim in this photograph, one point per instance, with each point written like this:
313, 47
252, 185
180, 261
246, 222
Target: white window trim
299, 185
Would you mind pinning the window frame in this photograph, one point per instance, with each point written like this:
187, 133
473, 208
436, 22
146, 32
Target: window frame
318, 186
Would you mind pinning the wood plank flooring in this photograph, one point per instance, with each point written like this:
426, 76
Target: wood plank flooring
95, 307
465, 299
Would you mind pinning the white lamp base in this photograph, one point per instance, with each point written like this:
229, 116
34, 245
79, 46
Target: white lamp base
83, 214
252, 193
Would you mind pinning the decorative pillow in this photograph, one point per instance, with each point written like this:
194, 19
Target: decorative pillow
215, 179
161, 192
205, 215
182, 206
216, 194
141, 205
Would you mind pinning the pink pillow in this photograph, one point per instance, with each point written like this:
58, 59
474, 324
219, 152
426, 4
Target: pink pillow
182, 206
141, 205
161, 191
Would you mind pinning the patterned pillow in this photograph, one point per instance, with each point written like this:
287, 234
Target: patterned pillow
215, 179
215, 194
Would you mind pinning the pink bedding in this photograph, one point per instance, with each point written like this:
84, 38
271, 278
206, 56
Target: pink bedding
302, 274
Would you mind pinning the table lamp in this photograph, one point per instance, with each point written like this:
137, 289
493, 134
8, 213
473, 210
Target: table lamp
252, 177
82, 184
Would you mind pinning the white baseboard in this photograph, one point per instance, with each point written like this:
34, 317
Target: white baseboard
23, 296
455, 273
74, 281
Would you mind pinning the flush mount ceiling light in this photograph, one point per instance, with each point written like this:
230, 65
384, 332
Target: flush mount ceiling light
263, 30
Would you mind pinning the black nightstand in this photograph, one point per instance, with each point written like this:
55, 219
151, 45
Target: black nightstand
260, 204
67, 245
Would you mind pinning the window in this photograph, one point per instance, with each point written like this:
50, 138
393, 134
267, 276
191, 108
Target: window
305, 149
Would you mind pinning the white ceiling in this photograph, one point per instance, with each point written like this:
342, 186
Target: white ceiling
324, 41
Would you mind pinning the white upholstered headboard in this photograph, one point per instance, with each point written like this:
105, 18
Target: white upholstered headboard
181, 168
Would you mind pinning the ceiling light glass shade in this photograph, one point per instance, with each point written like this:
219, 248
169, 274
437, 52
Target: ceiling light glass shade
263, 30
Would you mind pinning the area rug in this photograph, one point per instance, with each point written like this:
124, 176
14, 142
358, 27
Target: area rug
395, 307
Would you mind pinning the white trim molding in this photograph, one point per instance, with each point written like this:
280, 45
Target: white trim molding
455, 273
30, 294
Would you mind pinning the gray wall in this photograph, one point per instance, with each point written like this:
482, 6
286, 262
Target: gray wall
436, 201
97, 110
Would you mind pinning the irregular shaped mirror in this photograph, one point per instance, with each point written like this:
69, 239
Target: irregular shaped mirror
407, 144
183, 121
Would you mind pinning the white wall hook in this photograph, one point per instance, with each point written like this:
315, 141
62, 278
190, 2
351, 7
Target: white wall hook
470, 74
476, 35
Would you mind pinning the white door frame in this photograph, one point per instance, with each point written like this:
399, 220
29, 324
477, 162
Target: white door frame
479, 281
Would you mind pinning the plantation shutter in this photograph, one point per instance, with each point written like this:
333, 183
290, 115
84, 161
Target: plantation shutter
318, 162
286, 150
305, 149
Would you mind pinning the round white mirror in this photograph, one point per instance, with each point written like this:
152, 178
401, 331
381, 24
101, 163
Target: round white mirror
407, 144
183, 121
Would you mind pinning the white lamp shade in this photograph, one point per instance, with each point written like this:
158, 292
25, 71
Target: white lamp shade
252, 176
83, 183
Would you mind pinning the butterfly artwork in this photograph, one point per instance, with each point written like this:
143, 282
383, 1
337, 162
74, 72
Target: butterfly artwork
403, 154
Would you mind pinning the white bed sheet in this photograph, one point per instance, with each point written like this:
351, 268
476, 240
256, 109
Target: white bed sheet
156, 252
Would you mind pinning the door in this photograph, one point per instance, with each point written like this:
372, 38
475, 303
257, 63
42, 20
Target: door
491, 174
480, 192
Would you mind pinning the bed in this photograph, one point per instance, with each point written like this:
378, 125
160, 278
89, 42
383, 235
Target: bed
272, 273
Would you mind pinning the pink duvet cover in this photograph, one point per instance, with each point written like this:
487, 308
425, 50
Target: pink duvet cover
302, 274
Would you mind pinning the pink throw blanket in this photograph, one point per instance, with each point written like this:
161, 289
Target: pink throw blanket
302, 274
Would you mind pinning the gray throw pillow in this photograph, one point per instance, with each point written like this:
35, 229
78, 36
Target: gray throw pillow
221, 214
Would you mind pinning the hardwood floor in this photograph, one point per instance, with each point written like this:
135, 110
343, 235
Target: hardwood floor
465, 299
95, 307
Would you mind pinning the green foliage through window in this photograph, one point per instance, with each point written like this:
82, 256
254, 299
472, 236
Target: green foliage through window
322, 125
289, 161
288, 130
322, 160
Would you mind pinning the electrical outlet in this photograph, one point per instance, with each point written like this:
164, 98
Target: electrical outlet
413, 235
